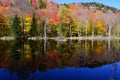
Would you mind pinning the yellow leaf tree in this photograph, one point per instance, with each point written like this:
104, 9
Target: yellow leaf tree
100, 27
64, 14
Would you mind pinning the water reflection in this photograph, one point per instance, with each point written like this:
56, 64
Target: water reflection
27, 60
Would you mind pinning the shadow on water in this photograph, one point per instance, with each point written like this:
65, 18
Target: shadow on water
33, 60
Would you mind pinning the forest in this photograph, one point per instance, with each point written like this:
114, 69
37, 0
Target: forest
44, 18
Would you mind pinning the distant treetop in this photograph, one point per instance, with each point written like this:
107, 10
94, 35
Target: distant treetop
100, 6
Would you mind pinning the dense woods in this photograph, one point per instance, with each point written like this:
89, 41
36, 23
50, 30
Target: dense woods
45, 18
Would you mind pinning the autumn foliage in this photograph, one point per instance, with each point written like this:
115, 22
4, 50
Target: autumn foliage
55, 19
6, 3
62, 19
34, 2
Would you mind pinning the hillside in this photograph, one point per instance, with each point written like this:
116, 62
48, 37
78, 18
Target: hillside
100, 6
45, 18
19, 6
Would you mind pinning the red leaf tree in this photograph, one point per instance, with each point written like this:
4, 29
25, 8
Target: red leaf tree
6, 3
34, 2
55, 19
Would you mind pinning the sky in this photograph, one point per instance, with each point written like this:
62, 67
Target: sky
112, 3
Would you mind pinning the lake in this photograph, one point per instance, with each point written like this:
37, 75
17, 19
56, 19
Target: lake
55, 60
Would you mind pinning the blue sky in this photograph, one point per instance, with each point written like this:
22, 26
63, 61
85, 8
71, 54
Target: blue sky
113, 3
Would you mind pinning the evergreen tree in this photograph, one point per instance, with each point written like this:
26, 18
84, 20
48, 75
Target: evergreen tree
16, 28
33, 30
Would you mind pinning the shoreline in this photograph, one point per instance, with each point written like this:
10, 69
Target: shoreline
66, 38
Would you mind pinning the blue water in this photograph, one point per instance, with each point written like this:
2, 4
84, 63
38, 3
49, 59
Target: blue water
106, 72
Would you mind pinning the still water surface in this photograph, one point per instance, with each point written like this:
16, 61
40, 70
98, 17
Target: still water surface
52, 60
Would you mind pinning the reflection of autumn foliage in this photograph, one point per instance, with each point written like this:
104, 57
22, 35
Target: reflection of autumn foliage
54, 56
30, 62
27, 48
100, 49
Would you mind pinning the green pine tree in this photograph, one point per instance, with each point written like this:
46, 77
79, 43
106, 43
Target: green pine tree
33, 30
16, 28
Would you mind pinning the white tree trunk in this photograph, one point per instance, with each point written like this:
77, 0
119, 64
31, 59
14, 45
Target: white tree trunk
78, 30
45, 46
109, 44
92, 31
92, 43
45, 31
85, 32
109, 32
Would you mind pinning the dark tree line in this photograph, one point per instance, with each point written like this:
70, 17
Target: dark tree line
17, 29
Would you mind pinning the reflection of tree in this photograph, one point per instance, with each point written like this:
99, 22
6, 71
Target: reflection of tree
116, 44
42, 46
66, 50
28, 56
61, 47
54, 57
16, 49
99, 47
33, 46
109, 44
18, 60
4, 46
52, 44
114, 71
